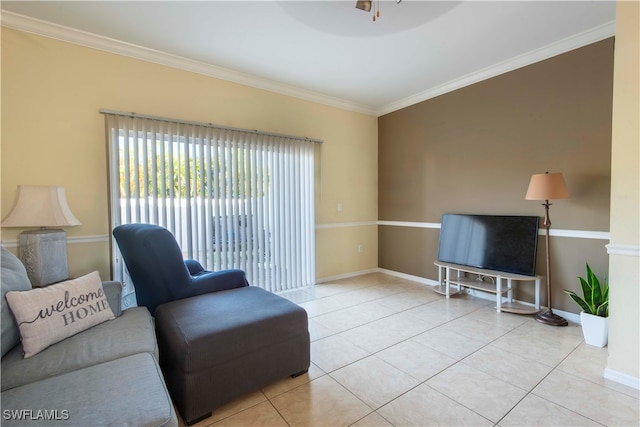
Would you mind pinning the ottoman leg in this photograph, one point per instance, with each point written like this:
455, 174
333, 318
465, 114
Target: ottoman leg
198, 419
297, 374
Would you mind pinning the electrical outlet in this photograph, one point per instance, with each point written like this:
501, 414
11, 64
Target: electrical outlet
360, 249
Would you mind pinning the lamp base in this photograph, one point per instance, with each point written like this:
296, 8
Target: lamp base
44, 255
550, 318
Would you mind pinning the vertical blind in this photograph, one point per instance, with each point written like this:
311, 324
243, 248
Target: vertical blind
232, 198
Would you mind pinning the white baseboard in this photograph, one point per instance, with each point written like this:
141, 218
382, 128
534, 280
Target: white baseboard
346, 275
418, 279
621, 378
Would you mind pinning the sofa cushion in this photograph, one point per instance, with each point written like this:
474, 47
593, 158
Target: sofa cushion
133, 332
13, 277
122, 392
50, 314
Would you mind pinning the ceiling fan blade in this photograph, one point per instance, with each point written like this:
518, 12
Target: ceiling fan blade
364, 5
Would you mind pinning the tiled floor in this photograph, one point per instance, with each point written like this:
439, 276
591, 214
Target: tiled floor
387, 351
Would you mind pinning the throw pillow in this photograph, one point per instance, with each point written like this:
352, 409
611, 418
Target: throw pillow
48, 315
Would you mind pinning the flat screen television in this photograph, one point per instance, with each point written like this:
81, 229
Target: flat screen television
493, 242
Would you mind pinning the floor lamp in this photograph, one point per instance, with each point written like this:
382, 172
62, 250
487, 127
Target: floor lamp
548, 186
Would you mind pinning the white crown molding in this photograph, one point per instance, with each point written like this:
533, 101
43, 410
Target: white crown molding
591, 36
83, 38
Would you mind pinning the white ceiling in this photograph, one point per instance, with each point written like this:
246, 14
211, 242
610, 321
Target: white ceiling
329, 51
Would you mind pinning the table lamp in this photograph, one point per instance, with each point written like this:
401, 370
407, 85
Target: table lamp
44, 251
548, 186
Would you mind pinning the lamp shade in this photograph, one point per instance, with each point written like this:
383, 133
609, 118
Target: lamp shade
364, 5
547, 186
40, 206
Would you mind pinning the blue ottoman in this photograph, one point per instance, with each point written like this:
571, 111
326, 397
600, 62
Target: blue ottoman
219, 346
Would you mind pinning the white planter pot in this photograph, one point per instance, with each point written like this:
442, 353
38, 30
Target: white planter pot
595, 329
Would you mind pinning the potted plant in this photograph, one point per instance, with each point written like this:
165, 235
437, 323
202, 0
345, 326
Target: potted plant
595, 309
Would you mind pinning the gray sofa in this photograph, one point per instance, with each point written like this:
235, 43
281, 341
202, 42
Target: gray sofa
105, 375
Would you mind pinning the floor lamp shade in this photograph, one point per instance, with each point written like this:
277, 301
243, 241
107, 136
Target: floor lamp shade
43, 251
548, 186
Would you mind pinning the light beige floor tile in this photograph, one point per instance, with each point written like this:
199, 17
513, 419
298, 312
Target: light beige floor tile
372, 420
450, 343
374, 381
535, 411
490, 315
565, 337
383, 333
378, 291
589, 362
534, 348
298, 296
586, 362
328, 304
263, 414
488, 396
353, 298
443, 310
594, 401
322, 402
477, 329
317, 331
352, 317
410, 299
415, 359
323, 290
289, 383
234, 407
424, 406
435, 313
334, 352
510, 367
341, 320
374, 310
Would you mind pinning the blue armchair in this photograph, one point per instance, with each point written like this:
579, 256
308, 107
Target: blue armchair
158, 271
218, 337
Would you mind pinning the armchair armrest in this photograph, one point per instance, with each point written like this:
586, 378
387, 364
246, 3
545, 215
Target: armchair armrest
214, 281
113, 291
194, 267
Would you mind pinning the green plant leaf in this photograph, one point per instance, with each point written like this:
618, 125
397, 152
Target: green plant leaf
596, 297
582, 303
586, 292
603, 310
596, 292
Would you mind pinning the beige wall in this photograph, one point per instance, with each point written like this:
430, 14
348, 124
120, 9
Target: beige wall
474, 150
624, 322
52, 134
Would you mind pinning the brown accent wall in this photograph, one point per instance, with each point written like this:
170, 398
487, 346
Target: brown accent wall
474, 150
